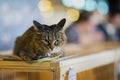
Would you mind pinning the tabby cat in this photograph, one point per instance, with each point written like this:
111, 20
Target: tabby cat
41, 41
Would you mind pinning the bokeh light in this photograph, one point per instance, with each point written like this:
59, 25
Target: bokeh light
78, 4
67, 3
103, 7
48, 13
46, 8
90, 5
45, 5
72, 14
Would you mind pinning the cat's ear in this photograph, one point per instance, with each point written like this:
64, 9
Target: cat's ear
37, 24
61, 23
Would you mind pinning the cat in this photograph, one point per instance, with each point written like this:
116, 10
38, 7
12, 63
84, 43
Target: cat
40, 41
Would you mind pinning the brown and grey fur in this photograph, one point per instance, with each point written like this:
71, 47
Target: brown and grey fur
41, 41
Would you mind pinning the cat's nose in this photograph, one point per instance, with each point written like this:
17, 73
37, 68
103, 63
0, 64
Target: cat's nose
52, 46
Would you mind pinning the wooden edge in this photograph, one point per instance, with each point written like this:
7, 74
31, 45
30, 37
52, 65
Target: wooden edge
22, 63
85, 51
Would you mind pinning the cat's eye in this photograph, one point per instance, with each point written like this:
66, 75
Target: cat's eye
46, 42
56, 42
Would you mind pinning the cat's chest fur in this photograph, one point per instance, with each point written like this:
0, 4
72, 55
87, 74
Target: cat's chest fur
56, 51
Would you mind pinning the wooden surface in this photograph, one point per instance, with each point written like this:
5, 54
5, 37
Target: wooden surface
15, 70
26, 76
105, 72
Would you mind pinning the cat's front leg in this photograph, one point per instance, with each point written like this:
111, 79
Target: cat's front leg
61, 54
24, 56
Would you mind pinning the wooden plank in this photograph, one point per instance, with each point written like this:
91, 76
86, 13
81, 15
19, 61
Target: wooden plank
22, 63
26, 76
24, 67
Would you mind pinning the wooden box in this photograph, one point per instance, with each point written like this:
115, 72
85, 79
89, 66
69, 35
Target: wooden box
97, 64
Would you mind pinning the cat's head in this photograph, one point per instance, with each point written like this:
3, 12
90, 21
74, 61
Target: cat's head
50, 37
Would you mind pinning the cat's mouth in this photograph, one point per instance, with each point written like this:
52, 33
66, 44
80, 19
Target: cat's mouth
40, 56
53, 51
45, 55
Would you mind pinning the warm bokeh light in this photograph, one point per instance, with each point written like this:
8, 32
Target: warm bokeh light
46, 8
45, 5
72, 14
48, 13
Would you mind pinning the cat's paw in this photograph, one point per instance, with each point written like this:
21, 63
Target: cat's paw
25, 57
55, 54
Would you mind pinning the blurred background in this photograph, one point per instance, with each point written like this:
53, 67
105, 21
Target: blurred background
86, 19
16, 16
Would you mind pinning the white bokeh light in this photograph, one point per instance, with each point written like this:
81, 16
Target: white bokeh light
90, 5
78, 4
67, 3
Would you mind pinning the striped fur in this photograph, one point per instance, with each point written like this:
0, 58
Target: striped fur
40, 41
